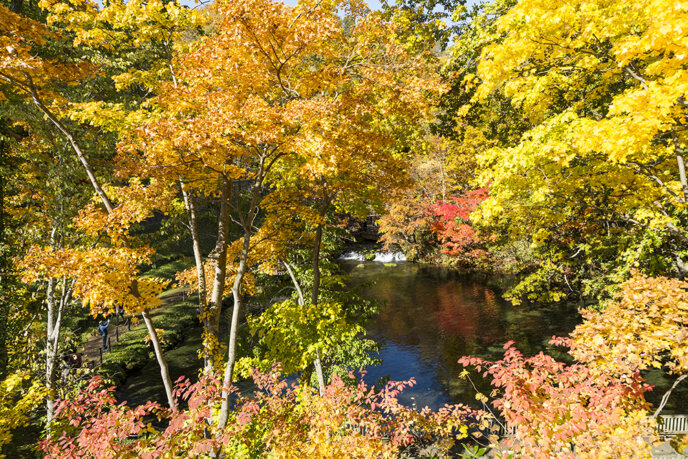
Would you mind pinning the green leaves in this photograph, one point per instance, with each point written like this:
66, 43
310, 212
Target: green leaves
294, 335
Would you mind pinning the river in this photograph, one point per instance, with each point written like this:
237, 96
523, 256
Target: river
430, 317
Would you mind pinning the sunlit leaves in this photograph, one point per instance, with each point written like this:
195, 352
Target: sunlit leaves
295, 335
603, 86
21, 67
277, 420
561, 410
645, 327
103, 277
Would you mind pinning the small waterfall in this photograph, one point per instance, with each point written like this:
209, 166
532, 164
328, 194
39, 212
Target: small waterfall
351, 256
389, 257
380, 257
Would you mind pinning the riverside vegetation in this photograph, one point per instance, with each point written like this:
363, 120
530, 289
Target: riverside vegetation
229, 149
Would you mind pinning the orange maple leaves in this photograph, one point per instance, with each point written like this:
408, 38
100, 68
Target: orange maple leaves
102, 277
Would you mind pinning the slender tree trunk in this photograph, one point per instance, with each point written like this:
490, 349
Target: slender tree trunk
682, 175
190, 204
164, 371
319, 373
52, 342
52, 338
50, 352
667, 394
30, 88
297, 287
233, 332
247, 224
75, 146
314, 300
315, 293
681, 165
306, 379
212, 323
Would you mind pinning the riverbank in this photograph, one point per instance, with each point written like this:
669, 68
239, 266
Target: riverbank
131, 352
431, 316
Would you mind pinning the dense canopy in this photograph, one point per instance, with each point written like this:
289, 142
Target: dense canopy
168, 167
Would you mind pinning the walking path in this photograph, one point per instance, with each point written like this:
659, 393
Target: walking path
664, 450
92, 346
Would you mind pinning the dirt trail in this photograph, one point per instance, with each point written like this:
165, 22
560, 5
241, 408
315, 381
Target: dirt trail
91, 349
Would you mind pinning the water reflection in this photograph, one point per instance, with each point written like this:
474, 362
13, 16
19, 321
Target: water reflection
433, 315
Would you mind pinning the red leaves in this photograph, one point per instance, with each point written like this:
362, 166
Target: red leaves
554, 405
279, 418
452, 224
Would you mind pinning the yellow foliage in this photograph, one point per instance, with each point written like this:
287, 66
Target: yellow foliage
645, 327
19, 64
122, 25
103, 277
135, 203
552, 49
16, 403
327, 434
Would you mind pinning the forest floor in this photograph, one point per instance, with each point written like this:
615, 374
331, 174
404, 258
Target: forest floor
129, 349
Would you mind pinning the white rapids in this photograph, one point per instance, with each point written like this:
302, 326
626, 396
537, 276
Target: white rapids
380, 257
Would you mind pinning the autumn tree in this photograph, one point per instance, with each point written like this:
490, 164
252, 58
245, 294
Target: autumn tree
596, 184
41, 80
300, 85
39, 199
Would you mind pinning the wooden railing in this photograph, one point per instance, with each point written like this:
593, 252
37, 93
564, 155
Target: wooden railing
669, 425
673, 424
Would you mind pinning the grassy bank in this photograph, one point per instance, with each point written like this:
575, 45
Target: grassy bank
132, 351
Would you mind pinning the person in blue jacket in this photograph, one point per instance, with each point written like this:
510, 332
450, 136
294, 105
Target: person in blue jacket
102, 329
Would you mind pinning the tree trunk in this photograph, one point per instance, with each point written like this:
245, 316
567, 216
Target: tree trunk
164, 371
52, 341
233, 332
319, 374
108, 206
306, 377
50, 352
314, 300
212, 321
190, 204
681, 165
682, 175
75, 146
247, 224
